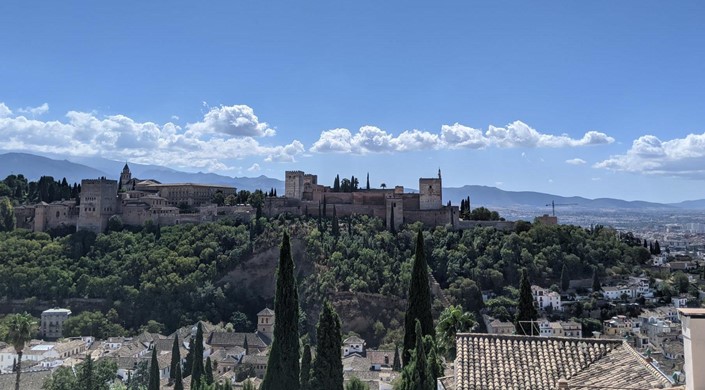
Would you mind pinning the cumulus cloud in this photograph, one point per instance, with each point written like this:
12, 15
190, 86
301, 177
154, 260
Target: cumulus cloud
650, 155
237, 121
370, 139
35, 111
254, 168
576, 161
122, 138
4, 110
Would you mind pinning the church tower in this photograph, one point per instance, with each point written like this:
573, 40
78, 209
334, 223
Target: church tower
125, 178
265, 322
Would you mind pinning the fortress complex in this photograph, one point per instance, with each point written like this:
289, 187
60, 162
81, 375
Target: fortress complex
304, 196
135, 201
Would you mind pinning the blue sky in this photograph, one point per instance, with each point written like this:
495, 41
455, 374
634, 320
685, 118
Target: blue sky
594, 98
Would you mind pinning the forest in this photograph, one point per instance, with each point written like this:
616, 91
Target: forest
168, 277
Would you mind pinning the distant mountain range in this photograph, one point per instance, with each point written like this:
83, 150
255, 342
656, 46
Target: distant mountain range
33, 166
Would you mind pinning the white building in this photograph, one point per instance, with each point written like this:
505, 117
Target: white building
546, 298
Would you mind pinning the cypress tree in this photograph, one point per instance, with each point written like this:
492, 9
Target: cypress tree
417, 373
197, 348
283, 363
396, 364
336, 184
305, 377
419, 307
178, 380
175, 359
596, 286
526, 311
335, 226
327, 371
368, 181
188, 363
154, 372
325, 207
565, 279
657, 248
245, 346
208, 374
85, 377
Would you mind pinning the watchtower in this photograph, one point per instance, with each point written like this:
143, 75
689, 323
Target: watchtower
265, 322
98, 203
294, 184
431, 193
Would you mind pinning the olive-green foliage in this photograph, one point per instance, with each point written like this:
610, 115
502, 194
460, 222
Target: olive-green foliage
355, 384
7, 215
283, 363
419, 305
89, 375
92, 323
327, 370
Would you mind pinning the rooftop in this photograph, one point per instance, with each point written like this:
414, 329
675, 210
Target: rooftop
514, 362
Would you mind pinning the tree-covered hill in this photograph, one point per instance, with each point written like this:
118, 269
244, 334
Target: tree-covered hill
178, 274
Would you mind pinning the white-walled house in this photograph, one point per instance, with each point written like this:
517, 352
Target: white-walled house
546, 298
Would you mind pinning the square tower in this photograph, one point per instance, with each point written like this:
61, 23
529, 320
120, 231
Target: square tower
294, 184
265, 322
430, 193
98, 203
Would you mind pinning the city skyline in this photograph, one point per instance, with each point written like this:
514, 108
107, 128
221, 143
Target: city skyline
596, 100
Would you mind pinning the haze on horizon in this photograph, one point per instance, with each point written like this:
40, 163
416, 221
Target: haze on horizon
593, 99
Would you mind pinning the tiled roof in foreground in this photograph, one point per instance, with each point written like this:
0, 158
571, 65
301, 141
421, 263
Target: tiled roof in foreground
486, 361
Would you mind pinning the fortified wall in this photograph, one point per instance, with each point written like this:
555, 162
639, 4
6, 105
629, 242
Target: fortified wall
304, 196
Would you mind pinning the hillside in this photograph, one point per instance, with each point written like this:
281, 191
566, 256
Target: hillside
33, 167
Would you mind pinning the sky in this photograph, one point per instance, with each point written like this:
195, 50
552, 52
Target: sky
593, 98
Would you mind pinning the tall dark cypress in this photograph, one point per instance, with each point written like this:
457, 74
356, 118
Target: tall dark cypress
596, 285
392, 228
396, 364
178, 380
327, 371
305, 377
175, 359
283, 363
153, 371
417, 373
197, 348
419, 301
335, 227
565, 278
526, 311
368, 181
208, 372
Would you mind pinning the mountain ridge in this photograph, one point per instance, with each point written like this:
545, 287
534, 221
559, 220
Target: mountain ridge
33, 166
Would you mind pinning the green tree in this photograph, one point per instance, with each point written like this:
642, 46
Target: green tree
336, 184
175, 360
86, 376
240, 322
565, 278
327, 370
368, 181
305, 376
208, 374
417, 373
681, 282
7, 215
283, 363
452, 321
396, 363
178, 379
115, 223
20, 329
197, 348
63, 378
419, 305
153, 372
526, 311
335, 228
354, 383
596, 285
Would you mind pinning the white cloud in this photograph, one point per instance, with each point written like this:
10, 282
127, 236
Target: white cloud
370, 139
650, 155
122, 138
4, 110
254, 168
576, 161
35, 111
237, 121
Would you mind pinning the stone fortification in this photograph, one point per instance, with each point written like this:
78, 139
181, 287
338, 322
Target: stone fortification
304, 196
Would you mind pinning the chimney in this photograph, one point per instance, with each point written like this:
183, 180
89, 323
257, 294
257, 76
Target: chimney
693, 323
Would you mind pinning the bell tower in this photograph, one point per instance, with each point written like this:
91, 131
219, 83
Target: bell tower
125, 178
